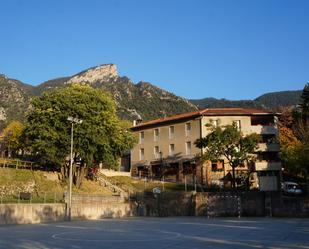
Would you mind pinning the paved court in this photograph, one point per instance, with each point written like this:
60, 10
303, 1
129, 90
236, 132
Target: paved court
160, 233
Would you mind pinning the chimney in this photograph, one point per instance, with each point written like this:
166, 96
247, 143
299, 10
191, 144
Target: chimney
137, 119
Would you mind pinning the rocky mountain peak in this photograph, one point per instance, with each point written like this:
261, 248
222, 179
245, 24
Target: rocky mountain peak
103, 72
3, 76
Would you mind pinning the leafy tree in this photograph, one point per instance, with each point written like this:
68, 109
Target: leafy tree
294, 139
100, 138
296, 159
11, 137
294, 143
228, 142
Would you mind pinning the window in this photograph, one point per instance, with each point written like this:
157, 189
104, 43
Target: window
156, 135
171, 149
141, 154
262, 120
171, 132
237, 123
141, 137
157, 153
217, 166
188, 148
188, 129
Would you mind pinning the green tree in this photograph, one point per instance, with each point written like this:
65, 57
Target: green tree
297, 159
100, 138
229, 143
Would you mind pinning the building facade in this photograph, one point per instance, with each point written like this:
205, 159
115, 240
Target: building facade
166, 148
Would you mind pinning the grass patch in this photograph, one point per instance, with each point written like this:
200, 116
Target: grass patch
128, 183
92, 187
45, 187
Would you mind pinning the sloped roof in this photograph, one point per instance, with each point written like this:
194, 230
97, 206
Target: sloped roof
234, 111
205, 112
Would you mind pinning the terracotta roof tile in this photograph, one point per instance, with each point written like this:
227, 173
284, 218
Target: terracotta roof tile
205, 112
233, 111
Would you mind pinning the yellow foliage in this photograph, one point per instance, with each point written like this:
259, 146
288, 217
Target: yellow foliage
12, 133
288, 138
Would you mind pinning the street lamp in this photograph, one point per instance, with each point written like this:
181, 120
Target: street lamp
73, 121
163, 169
10, 134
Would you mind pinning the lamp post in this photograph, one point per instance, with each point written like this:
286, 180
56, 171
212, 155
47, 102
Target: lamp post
163, 169
73, 121
10, 134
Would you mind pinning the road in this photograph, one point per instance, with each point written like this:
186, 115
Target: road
160, 233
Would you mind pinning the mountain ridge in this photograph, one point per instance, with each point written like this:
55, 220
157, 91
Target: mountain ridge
271, 100
132, 99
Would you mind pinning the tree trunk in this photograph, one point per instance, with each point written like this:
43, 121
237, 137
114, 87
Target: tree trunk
78, 172
233, 177
64, 171
79, 175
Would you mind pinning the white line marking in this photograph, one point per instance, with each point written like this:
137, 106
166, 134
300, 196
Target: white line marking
172, 236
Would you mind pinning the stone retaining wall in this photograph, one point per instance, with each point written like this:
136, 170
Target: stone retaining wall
39, 213
31, 213
110, 173
108, 210
165, 204
232, 204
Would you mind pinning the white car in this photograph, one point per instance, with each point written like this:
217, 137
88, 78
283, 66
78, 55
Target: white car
291, 188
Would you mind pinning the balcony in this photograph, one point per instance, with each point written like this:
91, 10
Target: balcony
269, 147
264, 129
264, 165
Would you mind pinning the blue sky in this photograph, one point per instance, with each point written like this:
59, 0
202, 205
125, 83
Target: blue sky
196, 48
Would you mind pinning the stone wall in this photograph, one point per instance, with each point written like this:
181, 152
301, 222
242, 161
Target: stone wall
31, 213
290, 206
164, 204
110, 173
217, 204
94, 199
38, 213
110, 210
244, 204
167, 204
253, 204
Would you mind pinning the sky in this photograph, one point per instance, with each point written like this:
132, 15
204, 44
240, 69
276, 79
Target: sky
233, 49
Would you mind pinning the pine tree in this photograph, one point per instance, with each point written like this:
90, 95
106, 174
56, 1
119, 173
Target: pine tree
304, 103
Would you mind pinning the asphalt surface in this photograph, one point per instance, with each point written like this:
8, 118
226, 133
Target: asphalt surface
160, 233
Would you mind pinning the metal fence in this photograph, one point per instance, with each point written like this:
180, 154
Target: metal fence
34, 197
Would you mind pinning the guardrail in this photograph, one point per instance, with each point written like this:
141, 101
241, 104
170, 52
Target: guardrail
16, 163
31, 197
111, 186
79, 198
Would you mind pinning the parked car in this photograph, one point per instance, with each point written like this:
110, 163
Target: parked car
291, 188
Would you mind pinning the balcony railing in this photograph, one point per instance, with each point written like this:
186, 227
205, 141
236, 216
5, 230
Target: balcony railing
269, 147
264, 129
264, 165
